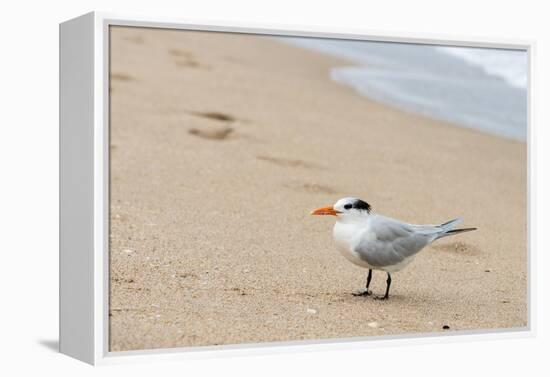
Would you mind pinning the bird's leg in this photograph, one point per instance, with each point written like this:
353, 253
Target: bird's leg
369, 278
387, 295
366, 292
388, 283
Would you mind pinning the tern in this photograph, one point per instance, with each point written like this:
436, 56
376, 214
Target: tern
377, 242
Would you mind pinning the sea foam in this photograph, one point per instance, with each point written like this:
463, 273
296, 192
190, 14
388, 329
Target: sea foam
480, 88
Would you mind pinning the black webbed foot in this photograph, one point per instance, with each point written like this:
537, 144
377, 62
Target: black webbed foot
362, 293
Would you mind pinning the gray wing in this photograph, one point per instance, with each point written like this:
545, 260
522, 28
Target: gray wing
394, 242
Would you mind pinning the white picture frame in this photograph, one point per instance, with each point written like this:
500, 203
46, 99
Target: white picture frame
84, 196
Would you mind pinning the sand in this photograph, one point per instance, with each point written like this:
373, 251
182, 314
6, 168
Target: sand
222, 144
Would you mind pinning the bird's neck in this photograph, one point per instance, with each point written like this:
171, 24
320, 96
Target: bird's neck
357, 219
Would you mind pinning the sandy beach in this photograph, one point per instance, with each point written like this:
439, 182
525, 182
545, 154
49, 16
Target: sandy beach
221, 145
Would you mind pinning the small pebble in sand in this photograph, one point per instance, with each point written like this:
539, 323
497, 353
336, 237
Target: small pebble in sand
312, 311
155, 305
445, 327
373, 325
128, 251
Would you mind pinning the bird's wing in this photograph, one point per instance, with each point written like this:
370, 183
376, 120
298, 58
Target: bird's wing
390, 242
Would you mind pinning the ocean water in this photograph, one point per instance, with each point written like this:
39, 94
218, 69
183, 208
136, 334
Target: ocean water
480, 88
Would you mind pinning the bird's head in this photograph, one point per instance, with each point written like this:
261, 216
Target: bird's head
345, 208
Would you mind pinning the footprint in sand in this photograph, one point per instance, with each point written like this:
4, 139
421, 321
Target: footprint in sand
118, 76
186, 59
312, 188
288, 162
214, 115
218, 133
212, 134
180, 53
189, 63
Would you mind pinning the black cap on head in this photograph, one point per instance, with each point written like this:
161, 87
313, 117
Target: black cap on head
359, 204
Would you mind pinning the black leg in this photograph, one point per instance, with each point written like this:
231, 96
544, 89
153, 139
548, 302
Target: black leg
366, 292
388, 283
369, 278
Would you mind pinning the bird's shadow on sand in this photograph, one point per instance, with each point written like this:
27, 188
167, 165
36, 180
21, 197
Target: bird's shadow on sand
457, 248
51, 344
376, 299
396, 299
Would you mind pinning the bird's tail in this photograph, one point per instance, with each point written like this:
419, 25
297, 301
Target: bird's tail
447, 228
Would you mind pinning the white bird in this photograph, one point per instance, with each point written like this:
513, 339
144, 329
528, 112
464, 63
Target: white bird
377, 242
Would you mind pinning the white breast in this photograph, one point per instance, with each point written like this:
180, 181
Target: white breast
346, 236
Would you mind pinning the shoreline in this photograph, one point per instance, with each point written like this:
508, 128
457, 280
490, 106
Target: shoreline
222, 144
377, 74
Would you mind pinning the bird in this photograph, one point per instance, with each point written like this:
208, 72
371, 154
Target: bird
377, 242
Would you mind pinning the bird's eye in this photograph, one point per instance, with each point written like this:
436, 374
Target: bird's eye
348, 206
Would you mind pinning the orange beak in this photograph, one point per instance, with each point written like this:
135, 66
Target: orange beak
325, 211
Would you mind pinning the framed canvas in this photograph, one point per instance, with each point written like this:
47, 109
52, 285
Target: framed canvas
229, 189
